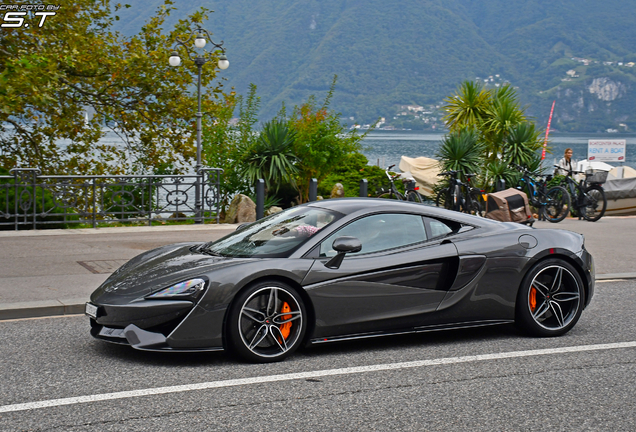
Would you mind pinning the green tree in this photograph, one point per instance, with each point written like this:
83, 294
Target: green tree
50, 76
322, 141
222, 138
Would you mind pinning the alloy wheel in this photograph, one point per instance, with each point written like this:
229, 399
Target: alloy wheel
270, 322
554, 298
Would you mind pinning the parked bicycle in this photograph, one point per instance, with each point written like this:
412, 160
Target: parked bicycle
552, 204
460, 196
587, 197
410, 190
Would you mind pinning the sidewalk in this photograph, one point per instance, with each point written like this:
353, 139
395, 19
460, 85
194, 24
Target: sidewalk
53, 272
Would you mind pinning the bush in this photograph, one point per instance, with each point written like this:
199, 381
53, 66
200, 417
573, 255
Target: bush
43, 200
349, 173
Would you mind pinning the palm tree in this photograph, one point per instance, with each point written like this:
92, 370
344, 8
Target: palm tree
461, 151
522, 143
270, 157
468, 107
503, 114
501, 133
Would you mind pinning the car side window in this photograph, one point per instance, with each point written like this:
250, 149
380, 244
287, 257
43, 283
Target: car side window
439, 228
380, 232
442, 227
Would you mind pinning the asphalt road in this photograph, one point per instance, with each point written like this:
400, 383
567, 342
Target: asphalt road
591, 387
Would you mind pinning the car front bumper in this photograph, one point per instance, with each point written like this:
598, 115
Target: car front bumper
158, 325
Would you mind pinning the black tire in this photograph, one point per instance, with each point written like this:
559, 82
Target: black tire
457, 199
557, 204
447, 200
476, 207
413, 196
550, 299
443, 199
596, 203
257, 319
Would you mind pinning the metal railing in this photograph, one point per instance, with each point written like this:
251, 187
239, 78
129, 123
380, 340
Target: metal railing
31, 200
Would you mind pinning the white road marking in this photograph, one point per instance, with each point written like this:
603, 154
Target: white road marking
305, 375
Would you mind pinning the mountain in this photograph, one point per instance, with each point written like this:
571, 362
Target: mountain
416, 52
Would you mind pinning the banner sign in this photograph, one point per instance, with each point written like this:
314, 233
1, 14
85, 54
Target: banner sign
547, 131
606, 150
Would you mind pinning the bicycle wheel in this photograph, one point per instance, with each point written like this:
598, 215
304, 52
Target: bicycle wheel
443, 199
389, 195
596, 203
475, 207
573, 196
457, 200
413, 196
557, 204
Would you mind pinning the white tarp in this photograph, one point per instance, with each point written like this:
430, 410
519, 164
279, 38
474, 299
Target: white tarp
595, 165
620, 191
621, 172
424, 170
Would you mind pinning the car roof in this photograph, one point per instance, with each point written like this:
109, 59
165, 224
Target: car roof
353, 205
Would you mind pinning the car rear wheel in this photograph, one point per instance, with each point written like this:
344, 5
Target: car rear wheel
267, 322
551, 299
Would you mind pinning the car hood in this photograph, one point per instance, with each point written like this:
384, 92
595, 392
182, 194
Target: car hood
158, 269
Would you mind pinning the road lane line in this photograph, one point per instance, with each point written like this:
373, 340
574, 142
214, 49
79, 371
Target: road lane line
305, 375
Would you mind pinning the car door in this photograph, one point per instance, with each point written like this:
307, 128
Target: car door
400, 274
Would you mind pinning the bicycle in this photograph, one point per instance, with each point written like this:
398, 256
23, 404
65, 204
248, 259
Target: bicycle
552, 205
452, 197
587, 196
410, 190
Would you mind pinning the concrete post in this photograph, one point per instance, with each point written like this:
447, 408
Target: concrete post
313, 189
364, 188
260, 199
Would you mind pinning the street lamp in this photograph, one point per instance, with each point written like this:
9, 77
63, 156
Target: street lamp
199, 34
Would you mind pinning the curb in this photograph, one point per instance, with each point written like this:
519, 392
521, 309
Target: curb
51, 308
39, 309
611, 276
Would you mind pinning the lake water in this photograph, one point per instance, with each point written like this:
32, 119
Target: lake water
385, 148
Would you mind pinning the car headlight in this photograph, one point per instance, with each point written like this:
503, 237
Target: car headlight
187, 288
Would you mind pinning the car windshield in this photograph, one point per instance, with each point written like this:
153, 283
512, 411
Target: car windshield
275, 236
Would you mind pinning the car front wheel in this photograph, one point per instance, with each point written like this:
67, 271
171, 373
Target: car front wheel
266, 322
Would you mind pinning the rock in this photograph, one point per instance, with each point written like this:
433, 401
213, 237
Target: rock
242, 209
272, 210
337, 191
178, 215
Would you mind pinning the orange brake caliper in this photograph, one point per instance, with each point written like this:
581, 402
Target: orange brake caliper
285, 329
533, 299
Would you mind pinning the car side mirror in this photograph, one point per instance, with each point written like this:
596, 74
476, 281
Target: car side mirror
343, 245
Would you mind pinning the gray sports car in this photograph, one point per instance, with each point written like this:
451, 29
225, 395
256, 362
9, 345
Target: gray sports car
343, 269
